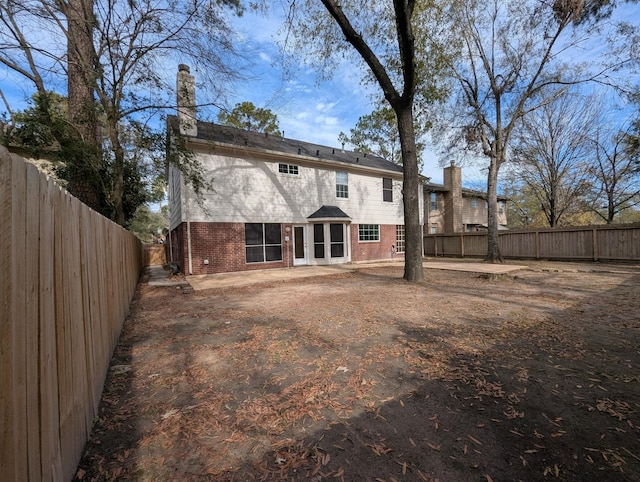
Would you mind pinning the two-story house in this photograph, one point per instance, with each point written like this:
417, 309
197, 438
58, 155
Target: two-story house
450, 208
277, 202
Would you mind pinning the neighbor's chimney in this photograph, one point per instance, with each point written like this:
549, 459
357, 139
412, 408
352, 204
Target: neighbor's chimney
186, 89
452, 198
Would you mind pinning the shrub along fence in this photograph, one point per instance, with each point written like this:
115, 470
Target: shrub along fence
67, 277
595, 243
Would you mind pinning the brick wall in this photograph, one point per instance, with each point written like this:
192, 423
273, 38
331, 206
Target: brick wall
222, 245
374, 250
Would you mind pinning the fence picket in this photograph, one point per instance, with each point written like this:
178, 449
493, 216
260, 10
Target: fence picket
8, 447
30, 265
18, 315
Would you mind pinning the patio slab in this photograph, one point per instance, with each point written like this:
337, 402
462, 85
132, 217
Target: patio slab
245, 278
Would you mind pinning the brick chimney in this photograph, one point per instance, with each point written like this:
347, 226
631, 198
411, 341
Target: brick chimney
186, 90
452, 198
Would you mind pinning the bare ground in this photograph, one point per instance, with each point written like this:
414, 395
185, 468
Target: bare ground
362, 376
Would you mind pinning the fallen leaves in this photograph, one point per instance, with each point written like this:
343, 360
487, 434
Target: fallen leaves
325, 383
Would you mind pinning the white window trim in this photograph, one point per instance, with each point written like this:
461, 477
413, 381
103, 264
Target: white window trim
368, 240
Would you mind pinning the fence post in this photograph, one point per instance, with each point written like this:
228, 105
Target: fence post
537, 244
595, 244
462, 246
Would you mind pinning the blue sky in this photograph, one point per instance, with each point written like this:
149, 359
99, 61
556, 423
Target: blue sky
307, 108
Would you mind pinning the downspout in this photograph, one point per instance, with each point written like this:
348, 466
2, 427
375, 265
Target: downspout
190, 259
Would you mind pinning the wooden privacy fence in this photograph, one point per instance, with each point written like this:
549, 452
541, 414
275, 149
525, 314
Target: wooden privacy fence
67, 276
606, 243
154, 254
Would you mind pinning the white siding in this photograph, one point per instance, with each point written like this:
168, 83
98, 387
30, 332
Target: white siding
246, 190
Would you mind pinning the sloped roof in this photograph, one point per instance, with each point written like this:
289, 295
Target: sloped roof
430, 187
208, 131
329, 212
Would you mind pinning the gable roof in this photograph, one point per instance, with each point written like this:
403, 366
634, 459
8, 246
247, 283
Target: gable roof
233, 136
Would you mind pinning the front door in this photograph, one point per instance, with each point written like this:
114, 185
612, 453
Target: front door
299, 245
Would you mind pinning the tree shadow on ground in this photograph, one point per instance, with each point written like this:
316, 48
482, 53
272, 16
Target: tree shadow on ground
479, 380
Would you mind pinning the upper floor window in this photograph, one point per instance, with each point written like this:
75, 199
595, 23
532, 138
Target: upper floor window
433, 202
369, 232
287, 169
474, 203
387, 189
342, 184
501, 207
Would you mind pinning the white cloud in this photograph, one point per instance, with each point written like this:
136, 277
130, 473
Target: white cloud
265, 57
325, 107
328, 121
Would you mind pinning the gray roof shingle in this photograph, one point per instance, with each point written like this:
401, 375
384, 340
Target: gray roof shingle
238, 137
329, 212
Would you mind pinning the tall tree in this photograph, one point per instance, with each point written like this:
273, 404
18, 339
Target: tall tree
509, 56
616, 176
247, 116
551, 154
114, 57
23, 52
382, 37
377, 133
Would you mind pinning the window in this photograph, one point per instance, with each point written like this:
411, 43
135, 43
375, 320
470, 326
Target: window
434, 228
337, 240
501, 208
318, 241
387, 189
369, 232
474, 203
263, 242
400, 238
288, 169
342, 184
434, 202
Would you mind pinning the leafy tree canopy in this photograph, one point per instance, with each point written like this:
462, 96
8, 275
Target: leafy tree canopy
247, 116
377, 133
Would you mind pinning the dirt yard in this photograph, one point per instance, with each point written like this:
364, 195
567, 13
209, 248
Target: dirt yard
364, 377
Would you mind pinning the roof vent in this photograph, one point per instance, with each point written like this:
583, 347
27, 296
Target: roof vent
298, 151
317, 152
357, 159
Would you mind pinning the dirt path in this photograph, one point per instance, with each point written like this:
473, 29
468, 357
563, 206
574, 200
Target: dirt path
361, 376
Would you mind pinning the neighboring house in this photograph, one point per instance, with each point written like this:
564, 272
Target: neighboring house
278, 202
450, 208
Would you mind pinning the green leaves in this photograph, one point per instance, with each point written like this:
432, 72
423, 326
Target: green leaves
247, 116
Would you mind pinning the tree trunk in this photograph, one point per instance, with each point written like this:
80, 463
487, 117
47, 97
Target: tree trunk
82, 111
116, 195
411, 188
493, 241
